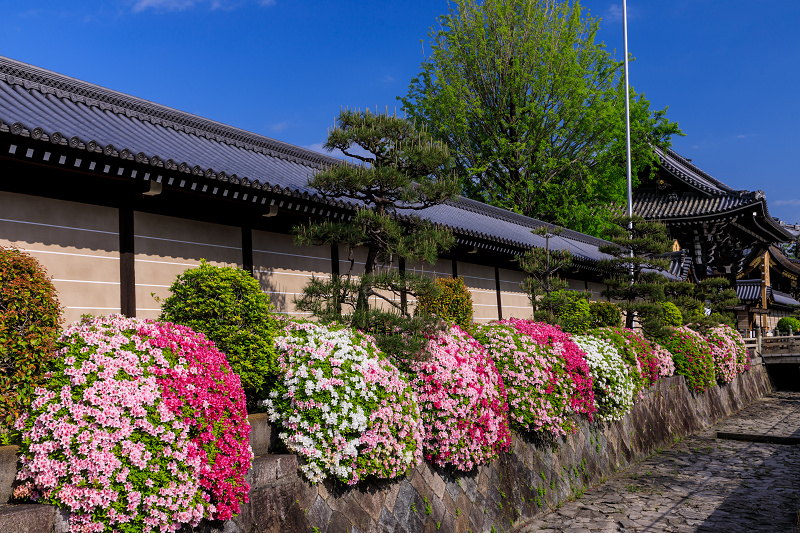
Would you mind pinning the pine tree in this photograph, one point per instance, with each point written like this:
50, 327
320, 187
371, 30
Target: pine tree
403, 172
543, 285
635, 269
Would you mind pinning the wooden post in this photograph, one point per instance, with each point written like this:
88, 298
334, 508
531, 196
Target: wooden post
499, 297
127, 271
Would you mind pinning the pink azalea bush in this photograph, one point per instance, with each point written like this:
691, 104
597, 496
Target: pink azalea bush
344, 408
463, 402
574, 369
663, 359
728, 351
538, 398
692, 357
140, 427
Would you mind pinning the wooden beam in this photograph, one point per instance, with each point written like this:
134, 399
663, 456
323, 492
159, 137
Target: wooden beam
127, 270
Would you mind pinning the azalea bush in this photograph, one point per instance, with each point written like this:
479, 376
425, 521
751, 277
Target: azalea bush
227, 305
141, 426
575, 369
611, 377
637, 351
692, 357
539, 399
664, 363
728, 351
342, 406
463, 401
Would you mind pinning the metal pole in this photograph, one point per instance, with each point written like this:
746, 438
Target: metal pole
627, 108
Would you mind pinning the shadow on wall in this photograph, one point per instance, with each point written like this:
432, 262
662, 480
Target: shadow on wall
276, 293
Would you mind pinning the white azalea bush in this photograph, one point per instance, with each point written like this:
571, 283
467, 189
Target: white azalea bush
612, 380
344, 408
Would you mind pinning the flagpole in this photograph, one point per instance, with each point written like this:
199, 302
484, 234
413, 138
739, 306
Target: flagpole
627, 109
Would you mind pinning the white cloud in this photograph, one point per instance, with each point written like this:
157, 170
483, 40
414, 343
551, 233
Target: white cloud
182, 5
387, 79
279, 126
741, 136
613, 13
793, 201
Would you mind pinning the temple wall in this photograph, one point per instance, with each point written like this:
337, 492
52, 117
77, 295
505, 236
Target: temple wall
77, 244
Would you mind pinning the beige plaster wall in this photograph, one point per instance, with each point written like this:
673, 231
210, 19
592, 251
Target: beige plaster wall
166, 246
283, 269
480, 281
516, 303
77, 244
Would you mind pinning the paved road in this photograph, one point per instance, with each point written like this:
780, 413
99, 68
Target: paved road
701, 484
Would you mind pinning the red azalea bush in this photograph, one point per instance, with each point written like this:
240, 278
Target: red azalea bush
692, 357
463, 402
729, 352
539, 397
576, 369
141, 426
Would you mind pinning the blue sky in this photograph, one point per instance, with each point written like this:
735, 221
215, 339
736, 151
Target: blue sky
728, 70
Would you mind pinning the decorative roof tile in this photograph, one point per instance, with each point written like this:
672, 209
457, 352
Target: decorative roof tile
50, 107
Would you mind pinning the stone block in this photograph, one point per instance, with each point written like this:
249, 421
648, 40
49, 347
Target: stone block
263, 435
8, 471
31, 518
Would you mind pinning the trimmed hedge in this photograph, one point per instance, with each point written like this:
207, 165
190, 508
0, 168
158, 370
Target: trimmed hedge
605, 314
29, 326
453, 303
789, 323
227, 305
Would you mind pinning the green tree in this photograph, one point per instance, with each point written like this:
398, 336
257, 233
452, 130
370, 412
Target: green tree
544, 287
404, 171
534, 110
711, 295
635, 269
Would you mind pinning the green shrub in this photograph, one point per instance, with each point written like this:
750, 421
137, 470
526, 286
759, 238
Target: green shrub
227, 305
605, 314
573, 315
672, 315
790, 324
452, 302
29, 325
692, 357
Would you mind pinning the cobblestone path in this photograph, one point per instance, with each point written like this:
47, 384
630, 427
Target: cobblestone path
701, 484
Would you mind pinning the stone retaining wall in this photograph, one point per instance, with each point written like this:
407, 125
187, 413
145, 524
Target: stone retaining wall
535, 475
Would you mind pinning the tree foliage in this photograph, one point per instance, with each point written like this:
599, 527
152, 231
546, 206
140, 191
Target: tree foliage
635, 268
405, 170
29, 325
534, 109
544, 287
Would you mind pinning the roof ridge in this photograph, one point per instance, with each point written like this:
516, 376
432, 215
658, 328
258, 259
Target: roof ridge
476, 206
45, 81
701, 172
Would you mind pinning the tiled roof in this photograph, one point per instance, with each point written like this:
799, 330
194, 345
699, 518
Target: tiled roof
688, 173
52, 108
665, 206
749, 290
705, 197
